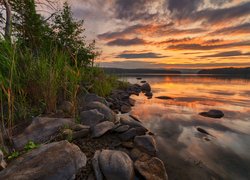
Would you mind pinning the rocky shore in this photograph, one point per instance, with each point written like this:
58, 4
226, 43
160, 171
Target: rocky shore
105, 143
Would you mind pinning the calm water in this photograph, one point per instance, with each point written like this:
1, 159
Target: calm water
187, 153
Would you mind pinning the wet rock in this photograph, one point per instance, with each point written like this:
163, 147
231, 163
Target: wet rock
146, 143
213, 114
91, 117
101, 128
152, 169
67, 107
128, 120
131, 133
116, 165
122, 128
58, 160
146, 88
125, 109
96, 167
139, 78
149, 94
203, 131
93, 97
41, 130
2, 161
143, 81
105, 110
164, 97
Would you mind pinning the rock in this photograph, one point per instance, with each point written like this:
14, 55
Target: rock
131, 133
122, 128
58, 160
67, 107
101, 128
2, 161
131, 101
152, 169
164, 97
71, 135
143, 81
128, 120
96, 167
149, 94
105, 110
125, 109
91, 117
136, 154
41, 130
139, 78
146, 143
93, 97
213, 114
116, 165
146, 88
203, 131
128, 144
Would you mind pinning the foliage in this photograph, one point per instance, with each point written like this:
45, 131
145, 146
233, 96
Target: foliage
14, 155
30, 145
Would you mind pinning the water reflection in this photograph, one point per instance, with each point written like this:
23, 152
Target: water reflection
189, 154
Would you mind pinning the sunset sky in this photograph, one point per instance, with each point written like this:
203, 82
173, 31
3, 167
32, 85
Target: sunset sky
168, 33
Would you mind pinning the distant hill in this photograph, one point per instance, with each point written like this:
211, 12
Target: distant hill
140, 71
227, 71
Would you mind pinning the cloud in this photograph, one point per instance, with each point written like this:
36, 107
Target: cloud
208, 47
149, 55
227, 54
126, 42
220, 2
239, 29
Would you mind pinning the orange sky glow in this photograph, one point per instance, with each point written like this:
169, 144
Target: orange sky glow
189, 34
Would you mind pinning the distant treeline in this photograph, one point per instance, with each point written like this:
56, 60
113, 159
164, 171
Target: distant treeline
140, 71
227, 71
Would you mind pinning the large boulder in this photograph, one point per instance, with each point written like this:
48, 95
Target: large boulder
41, 130
93, 97
96, 167
152, 169
102, 108
128, 120
116, 165
58, 160
91, 117
213, 114
146, 143
2, 161
101, 128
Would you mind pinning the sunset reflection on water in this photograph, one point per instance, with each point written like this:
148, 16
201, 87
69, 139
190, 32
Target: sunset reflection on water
187, 153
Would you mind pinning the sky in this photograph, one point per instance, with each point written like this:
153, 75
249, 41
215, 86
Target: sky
176, 34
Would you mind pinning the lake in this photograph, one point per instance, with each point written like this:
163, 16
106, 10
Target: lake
187, 153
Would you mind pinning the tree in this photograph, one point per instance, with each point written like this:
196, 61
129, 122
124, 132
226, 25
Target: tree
8, 19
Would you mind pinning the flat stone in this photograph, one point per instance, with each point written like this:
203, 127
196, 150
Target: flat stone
96, 167
127, 120
213, 114
131, 133
102, 108
3, 164
41, 130
122, 128
101, 128
152, 169
116, 165
146, 143
91, 117
58, 160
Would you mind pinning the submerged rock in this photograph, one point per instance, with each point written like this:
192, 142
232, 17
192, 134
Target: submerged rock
41, 130
128, 120
152, 169
213, 114
116, 165
102, 128
102, 108
58, 160
146, 143
131, 133
2, 161
146, 87
91, 117
164, 97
